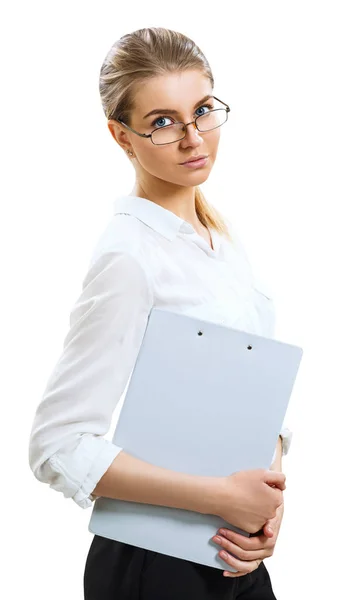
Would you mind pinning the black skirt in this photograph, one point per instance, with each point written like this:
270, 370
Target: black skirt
117, 571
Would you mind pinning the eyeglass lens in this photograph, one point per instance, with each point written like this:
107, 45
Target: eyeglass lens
173, 133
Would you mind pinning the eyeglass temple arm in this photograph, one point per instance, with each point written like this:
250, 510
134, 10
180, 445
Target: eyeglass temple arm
227, 106
146, 135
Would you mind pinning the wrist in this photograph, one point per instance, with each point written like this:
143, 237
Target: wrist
196, 493
277, 462
216, 496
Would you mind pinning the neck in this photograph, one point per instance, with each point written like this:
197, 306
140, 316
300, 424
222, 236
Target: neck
183, 205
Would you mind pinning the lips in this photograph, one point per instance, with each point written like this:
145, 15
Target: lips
195, 158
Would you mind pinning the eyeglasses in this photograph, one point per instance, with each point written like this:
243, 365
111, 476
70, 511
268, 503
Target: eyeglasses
169, 134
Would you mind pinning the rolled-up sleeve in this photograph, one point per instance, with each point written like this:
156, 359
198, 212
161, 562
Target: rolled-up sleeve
67, 449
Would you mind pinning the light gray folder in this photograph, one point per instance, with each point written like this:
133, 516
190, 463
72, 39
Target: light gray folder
203, 399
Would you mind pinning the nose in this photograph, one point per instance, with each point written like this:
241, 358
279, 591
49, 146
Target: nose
192, 135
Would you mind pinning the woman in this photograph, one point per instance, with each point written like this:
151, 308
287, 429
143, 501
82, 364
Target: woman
165, 247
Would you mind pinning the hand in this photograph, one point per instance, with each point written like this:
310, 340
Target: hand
247, 499
246, 554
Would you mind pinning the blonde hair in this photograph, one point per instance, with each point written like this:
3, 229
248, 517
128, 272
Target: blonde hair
135, 58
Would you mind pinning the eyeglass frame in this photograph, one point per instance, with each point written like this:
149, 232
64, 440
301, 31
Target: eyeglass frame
149, 135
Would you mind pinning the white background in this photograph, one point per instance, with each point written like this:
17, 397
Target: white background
283, 175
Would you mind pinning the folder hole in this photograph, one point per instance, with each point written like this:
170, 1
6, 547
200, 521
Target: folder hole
249, 347
200, 332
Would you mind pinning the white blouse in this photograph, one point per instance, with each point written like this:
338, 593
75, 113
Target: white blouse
147, 256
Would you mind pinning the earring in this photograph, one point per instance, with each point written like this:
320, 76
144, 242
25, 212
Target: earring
129, 152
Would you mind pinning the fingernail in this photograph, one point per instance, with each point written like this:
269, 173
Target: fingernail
223, 554
217, 539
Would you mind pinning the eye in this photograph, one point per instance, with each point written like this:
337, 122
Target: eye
156, 122
206, 106
159, 119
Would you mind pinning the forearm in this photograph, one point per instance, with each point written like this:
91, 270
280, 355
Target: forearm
277, 464
129, 478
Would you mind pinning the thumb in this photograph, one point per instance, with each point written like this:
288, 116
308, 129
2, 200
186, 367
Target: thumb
268, 530
275, 479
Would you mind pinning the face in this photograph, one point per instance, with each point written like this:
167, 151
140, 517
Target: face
182, 93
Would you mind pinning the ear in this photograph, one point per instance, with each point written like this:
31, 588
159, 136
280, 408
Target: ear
119, 134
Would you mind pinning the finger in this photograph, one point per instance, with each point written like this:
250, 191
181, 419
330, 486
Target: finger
249, 544
238, 552
240, 565
275, 478
268, 530
231, 574
240, 540
241, 573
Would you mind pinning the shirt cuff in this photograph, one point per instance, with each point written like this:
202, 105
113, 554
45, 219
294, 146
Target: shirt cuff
76, 473
286, 435
83, 497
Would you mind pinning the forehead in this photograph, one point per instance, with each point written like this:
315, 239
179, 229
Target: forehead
177, 91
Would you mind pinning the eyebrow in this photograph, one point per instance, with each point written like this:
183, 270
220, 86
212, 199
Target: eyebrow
170, 111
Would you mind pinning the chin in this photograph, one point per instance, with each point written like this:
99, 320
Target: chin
200, 175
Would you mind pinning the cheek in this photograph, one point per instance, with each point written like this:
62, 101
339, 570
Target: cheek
216, 138
157, 160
